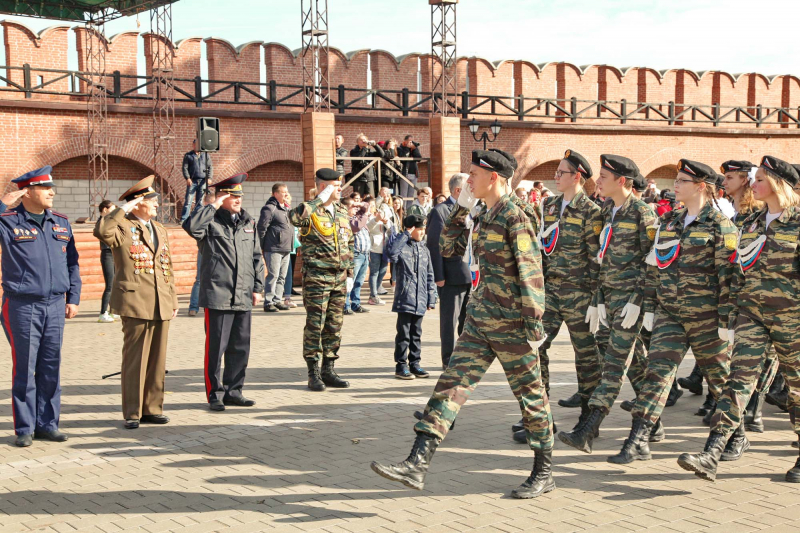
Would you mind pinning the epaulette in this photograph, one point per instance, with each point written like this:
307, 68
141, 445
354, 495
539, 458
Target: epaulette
56, 213
669, 215
8, 213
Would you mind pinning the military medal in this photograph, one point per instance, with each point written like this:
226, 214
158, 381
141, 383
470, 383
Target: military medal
16, 231
34, 231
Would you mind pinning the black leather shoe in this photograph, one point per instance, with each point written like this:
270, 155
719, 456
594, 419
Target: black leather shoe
154, 419
55, 435
132, 423
582, 436
674, 394
216, 405
23, 441
270, 309
413, 470
627, 405
282, 306
737, 445
314, 380
571, 402
519, 426
753, 420
239, 401
541, 479
694, 382
360, 309
329, 376
635, 447
704, 464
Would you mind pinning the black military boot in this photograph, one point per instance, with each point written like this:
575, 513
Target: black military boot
541, 479
635, 447
330, 377
775, 388
737, 445
571, 402
693, 382
657, 434
413, 470
704, 464
519, 426
708, 405
582, 436
710, 415
314, 381
753, 420
585, 410
674, 394
779, 399
793, 475
627, 405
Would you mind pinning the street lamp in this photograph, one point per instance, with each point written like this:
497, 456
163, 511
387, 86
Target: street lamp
494, 127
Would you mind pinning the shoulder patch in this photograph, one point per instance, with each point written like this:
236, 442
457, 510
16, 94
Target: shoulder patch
730, 241
651, 233
56, 213
597, 227
524, 243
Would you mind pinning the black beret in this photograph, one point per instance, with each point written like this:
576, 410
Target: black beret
639, 183
328, 174
698, 170
797, 168
780, 168
736, 166
232, 185
511, 158
579, 162
414, 221
621, 166
492, 160
720, 181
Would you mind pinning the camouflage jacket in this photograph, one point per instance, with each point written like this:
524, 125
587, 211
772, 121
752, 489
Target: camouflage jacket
574, 257
509, 297
739, 219
769, 283
623, 266
326, 242
528, 209
699, 278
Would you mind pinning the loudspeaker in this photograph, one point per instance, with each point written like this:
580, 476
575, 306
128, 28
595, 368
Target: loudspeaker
208, 134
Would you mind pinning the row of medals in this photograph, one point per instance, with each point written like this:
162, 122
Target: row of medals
143, 260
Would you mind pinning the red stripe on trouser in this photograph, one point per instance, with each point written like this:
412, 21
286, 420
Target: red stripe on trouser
205, 364
7, 325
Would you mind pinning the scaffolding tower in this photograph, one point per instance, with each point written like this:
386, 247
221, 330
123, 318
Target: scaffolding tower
97, 108
444, 81
314, 55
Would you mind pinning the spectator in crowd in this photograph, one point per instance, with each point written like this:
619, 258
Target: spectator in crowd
276, 234
423, 204
379, 227
546, 193
365, 183
416, 294
664, 205
535, 197
388, 176
440, 199
194, 299
356, 197
452, 275
359, 216
288, 286
651, 184
539, 186
409, 148
521, 193
399, 215
340, 152
198, 172
107, 264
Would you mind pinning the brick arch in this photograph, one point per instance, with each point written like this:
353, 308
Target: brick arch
663, 158
279, 170
666, 172
262, 156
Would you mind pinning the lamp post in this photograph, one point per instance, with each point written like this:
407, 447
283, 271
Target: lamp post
495, 128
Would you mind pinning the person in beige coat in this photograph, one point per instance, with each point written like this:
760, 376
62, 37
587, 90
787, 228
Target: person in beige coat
145, 297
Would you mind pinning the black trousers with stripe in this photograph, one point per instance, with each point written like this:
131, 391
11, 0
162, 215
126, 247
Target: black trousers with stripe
228, 336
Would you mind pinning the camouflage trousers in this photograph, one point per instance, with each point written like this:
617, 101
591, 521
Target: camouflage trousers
569, 304
615, 345
753, 336
769, 369
324, 293
674, 332
474, 353
637, 371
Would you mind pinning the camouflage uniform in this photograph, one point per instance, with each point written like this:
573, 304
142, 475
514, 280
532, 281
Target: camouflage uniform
622, 278
690, 299
326, 245
764, 311
570, 273
508, 300
637, 370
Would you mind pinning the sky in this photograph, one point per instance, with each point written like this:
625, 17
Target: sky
730, 35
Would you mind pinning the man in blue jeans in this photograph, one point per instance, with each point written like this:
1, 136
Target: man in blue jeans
194, 299
359, 215
197, 171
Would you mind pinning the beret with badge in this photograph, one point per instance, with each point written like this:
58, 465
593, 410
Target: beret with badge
735, 166
781, 169
698, 171
414, 221
619, 165
232, 185
579, 162
493, 161
328, 174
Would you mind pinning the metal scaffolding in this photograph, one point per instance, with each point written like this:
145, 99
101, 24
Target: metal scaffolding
97, 109
163, 91
314, 55
444, 83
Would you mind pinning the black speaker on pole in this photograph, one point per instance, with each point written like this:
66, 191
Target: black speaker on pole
208, 134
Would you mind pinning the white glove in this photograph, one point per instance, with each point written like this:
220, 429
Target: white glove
535, 344
128, 206
647, 322
349, 284
593, 319
722, 333
731, 337
465, 199
326, 193
630, 313
601, 313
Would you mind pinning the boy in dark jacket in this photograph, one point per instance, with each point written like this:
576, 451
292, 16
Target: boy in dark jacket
415, 293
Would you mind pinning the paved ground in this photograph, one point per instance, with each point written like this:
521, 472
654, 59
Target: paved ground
300, 460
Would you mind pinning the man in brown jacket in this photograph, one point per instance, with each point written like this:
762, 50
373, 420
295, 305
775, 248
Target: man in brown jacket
144, 295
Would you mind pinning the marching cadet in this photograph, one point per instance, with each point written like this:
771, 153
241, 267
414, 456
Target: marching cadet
509, 298
327, 246
144, 295
625, 241
686, 304
41, 287
231, 281
765, 294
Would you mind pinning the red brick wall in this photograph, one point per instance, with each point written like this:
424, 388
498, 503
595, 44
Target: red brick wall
119, 168
277, 171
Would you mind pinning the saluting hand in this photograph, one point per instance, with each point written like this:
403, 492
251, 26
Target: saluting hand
219, 201
71, 311
128, 206
13, 196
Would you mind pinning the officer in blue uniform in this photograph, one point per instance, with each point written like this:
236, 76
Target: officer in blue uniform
41, 287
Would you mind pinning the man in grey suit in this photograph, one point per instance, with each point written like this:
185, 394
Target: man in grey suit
451, 274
